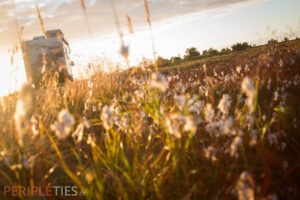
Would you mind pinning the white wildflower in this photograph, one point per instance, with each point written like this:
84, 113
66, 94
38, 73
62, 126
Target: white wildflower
86, 106
215, 73
249, 121
5, 158
91, 140
204, 68
190, 125
224, 104
247, 69
197, 107
245, 187
292, 61
235, 145
281, 63
94, 108
210, 153
254, 138
177, 124
179, 100
283, 146
209, 113
226, 126
227, 78
276, 96
34, 126
285, 165
238, 69
159, 81
122, 122
248, 86
20, 114
139, 94
90, 84
16, 167
64, 125
107, 116
272, 197
52, 169
28, 163
269, 84
272, 138
173, 125
20, 120
249, 89
295, 123
78, 133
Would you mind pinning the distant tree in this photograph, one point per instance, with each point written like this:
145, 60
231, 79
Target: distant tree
225, 51
285, 39
175, 60
146, 63
162, 62
213, 52
272, 41
205, 53
210, 52
240, 46
191, 54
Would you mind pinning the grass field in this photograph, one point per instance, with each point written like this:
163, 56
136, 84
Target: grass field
219, 128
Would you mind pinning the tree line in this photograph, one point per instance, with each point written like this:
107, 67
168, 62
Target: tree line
194, 54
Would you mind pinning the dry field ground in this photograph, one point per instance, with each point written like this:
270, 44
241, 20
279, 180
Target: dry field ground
225, 127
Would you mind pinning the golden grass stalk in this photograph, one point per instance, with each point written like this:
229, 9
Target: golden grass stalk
129, 24
117, 22
148, 13
88, 26
18, 43
148, 18
19, 30
83, 7
86, 18
82, 4
41, 20
124, 49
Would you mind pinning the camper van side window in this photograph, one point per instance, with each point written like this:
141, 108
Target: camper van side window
66, 53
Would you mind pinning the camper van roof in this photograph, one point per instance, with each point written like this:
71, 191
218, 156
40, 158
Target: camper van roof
38, 37
53, 33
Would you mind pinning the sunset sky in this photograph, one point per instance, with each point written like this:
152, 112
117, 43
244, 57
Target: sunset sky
177, 25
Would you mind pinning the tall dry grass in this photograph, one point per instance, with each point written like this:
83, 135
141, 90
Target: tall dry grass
149, 21
160, 136
40, 19
223, 133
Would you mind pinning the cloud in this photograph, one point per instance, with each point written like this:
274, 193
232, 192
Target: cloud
68, 15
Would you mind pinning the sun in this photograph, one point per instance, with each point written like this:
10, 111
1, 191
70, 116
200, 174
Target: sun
12, 75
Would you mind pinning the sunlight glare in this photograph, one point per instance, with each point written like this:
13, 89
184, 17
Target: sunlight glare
12, 76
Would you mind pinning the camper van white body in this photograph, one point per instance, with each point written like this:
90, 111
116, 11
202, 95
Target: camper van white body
42, 49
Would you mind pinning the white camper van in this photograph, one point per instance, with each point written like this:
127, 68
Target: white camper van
47, 56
